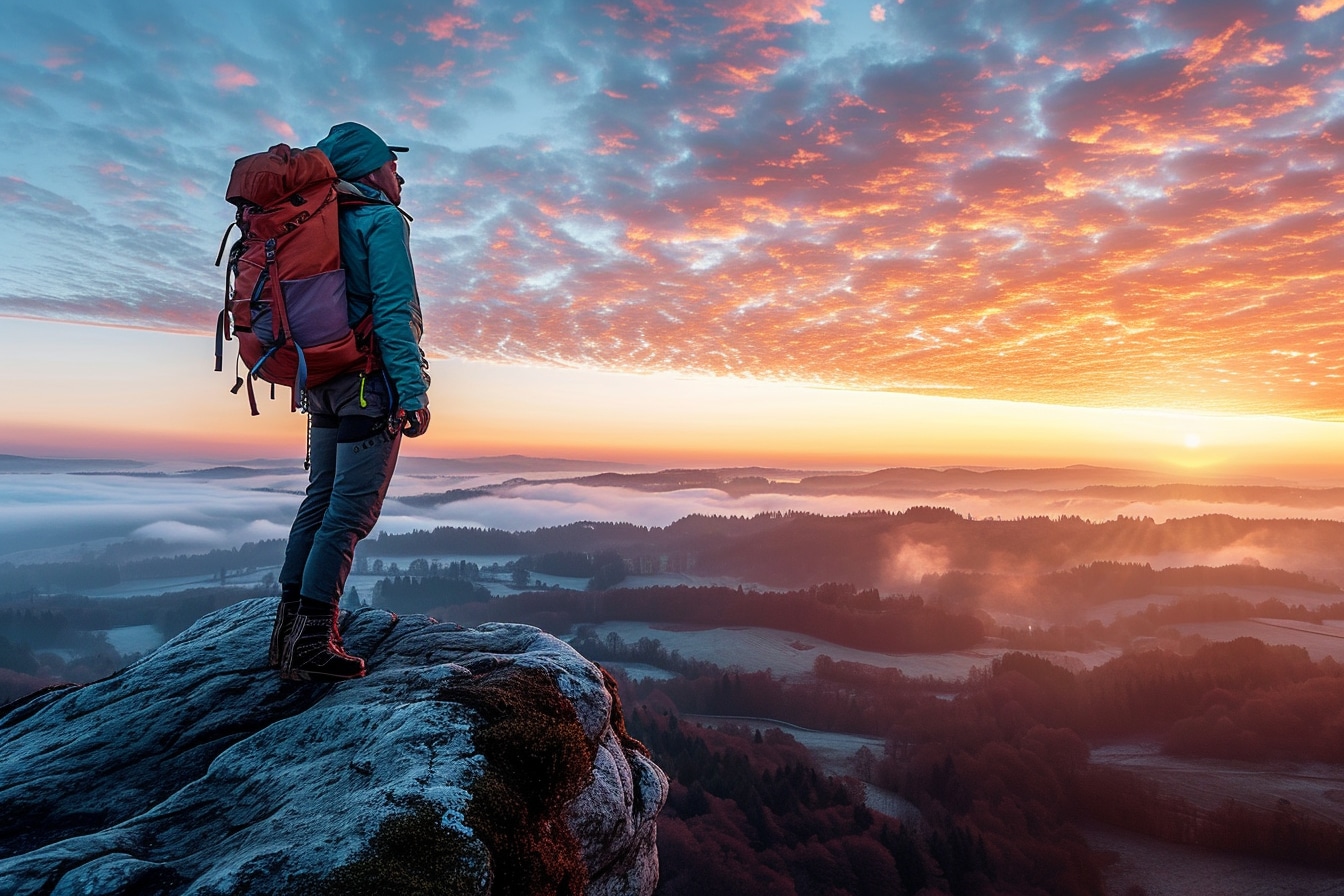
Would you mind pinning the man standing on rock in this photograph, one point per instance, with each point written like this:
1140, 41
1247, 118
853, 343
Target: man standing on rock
357, 420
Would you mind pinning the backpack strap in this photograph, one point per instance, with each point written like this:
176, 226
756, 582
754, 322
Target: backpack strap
283, 334
282, 331
222, 331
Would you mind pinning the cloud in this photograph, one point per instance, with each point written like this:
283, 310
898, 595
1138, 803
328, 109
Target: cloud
1312, 12
230, 77
65, 516
176, 533
72, 515
280, 128
1096, 204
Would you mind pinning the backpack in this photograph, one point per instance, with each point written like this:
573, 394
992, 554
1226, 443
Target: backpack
284, 288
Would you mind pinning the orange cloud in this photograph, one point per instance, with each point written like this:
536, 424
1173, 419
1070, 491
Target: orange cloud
1319, 10
755, 15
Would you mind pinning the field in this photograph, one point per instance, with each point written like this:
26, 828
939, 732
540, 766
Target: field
1164, 869
755, 649
1314, 787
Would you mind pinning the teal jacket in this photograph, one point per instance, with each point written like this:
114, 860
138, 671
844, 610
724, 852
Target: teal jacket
380, 280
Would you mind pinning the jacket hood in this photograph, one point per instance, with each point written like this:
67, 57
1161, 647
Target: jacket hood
355, 150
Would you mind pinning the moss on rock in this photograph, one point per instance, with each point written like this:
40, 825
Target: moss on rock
412, 854
537, 761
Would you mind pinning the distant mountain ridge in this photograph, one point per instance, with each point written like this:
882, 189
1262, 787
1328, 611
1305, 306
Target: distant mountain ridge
507, 463
17, 463
919, 483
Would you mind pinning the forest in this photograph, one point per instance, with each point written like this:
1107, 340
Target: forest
1001, 772
50, 639
793, 549
1060, 560
748, 814
835, 612
998, 764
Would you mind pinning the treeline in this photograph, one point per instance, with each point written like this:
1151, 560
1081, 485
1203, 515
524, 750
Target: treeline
574, 564
426, 594
1104, 581
45, 621
837, 613
819, 705
251, 555
114, 566
581, 537
794, 549
1240, 699
1159, 621
1219, 607
37, 630
1285, 833
30, 578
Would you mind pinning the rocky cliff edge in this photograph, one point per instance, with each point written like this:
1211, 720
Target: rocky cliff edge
489, 760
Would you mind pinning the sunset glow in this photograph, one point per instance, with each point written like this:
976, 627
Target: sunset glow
813, 212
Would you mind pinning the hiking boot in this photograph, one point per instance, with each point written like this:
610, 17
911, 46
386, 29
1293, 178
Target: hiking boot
284, 624
314, 652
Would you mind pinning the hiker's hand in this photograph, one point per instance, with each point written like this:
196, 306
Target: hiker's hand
415, 423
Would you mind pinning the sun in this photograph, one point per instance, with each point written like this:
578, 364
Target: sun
1192, 440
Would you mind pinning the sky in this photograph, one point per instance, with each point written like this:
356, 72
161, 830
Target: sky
772, 230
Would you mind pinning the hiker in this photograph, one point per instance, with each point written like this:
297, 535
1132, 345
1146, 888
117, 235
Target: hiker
356, 419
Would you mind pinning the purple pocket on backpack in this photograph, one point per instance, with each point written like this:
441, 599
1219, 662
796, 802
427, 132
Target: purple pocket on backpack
317, 308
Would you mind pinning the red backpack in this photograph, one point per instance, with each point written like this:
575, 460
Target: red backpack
284, 289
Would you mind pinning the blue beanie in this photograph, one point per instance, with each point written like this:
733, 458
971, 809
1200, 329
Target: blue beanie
354, 150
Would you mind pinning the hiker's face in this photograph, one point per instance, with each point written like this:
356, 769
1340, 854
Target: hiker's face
387, 180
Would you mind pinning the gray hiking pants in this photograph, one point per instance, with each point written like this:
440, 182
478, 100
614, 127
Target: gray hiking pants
353, 457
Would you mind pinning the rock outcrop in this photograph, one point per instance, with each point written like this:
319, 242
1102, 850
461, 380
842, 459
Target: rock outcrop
490, 760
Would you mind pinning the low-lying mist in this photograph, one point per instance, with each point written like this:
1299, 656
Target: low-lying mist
63, 515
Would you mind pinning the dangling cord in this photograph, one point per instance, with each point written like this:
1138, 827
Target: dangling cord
308, 451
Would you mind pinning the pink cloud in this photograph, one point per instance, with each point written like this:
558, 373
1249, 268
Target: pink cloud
447, 26
11, 190
17, 95
230, 77
614, 142
278, 127
60, 57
